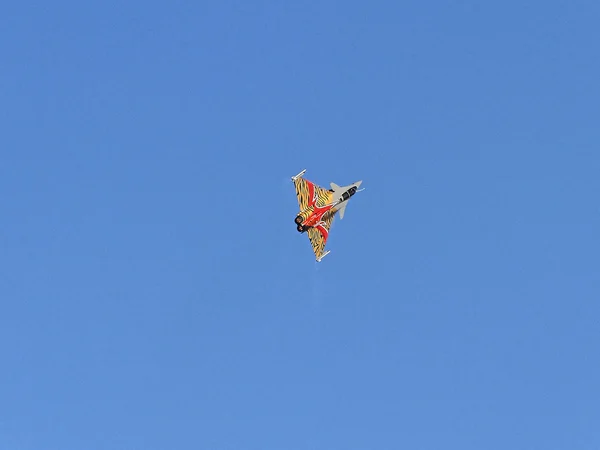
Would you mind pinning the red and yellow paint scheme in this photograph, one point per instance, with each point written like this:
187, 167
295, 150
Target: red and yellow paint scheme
317, 210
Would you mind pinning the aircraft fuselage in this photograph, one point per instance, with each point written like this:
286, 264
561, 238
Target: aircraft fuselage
313, 215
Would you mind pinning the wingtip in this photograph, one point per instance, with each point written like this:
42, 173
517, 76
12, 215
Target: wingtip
294, 178
323, 255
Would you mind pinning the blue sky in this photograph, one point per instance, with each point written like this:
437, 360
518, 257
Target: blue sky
156, 295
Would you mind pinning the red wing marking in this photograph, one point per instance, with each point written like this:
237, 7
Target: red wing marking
324, 231
309, 194
319, 233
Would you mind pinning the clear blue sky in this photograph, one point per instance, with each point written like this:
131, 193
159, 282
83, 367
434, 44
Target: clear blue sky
155, 294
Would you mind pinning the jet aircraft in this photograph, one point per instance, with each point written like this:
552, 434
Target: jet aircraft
318, 206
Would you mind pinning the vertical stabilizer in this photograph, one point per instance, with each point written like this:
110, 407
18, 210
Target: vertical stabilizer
342, 209
338, 191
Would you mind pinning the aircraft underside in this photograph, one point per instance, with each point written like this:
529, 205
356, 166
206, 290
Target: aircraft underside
318, 206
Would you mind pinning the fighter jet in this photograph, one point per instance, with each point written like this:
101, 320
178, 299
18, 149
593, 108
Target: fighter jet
318, 206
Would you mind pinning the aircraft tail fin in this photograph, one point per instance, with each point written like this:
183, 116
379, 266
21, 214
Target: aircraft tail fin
342, 209
337, 193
